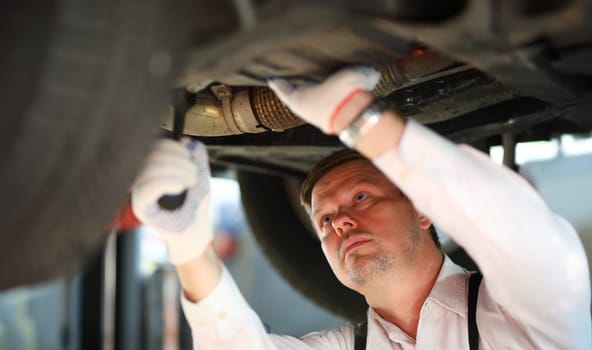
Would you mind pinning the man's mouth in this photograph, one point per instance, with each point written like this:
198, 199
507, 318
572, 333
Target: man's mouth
352, 243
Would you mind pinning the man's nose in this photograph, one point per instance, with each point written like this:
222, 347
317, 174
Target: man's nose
343, 222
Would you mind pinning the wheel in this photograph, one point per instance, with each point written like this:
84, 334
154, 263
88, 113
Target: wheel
84, 87
291, 248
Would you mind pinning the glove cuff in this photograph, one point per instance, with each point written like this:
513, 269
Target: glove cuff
337, 110
186, 246
363, 122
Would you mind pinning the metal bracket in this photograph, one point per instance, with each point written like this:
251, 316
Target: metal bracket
224, 94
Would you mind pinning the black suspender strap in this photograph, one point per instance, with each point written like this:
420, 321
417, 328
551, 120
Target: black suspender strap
360, 333
361, 329
474, 282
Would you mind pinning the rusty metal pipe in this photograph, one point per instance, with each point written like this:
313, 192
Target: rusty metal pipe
225, 111
410, 69
231, 112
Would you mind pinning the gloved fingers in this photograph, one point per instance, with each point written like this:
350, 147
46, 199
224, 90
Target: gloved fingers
369, 77
319, 103
168, 164
199, 156
168, 170
282, 88
169, 146
150, 189
185, 177
168, 151
170, 159
184, 170
362, 77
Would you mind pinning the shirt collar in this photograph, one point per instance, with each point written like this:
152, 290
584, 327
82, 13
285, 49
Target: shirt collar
448, 291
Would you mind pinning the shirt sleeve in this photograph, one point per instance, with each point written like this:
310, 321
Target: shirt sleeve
223, 317
224, 320
532, 260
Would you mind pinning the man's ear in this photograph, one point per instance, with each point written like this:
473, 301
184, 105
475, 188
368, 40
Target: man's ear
424, 222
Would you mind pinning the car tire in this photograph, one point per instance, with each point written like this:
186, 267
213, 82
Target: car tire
84, 87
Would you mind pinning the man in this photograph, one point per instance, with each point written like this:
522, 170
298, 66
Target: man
373, 218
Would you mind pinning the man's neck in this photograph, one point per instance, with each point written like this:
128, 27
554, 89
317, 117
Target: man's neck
400, 300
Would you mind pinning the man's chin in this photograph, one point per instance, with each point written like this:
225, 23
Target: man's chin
359, 269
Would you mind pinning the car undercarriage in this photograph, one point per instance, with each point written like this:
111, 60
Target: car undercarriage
479, 72
97, 79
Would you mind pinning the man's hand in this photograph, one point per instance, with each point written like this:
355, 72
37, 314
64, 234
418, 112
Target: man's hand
181, 170
320, 103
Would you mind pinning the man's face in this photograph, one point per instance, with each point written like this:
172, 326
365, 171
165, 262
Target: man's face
368, 229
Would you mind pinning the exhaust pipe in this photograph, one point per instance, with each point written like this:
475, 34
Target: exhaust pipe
415, 68
222, 110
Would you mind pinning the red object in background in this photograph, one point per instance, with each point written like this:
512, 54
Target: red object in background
125, 218
417, 52
225, 245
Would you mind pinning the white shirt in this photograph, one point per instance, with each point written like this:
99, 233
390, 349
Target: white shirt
535, 292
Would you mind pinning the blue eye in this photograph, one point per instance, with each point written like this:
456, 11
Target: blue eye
326, 219
360, 196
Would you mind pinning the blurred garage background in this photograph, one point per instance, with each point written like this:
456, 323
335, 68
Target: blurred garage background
128, 297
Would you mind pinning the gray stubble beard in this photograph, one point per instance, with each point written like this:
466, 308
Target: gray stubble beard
380, 265
365, 268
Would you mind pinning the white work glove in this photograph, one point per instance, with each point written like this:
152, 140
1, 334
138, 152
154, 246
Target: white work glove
171, 168
318, 104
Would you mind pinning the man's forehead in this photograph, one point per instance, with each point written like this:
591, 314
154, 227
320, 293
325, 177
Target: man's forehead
352, 168
354, 172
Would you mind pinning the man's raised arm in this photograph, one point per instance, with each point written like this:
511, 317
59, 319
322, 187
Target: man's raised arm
532, 260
